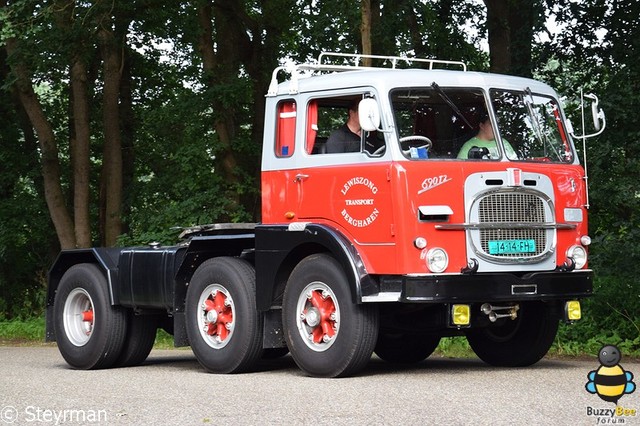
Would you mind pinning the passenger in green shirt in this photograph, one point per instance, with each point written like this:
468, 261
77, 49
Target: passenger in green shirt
486, 139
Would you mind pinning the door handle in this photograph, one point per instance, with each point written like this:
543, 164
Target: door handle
300, 177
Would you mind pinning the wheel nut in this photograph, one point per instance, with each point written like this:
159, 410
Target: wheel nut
325, 294
326, 338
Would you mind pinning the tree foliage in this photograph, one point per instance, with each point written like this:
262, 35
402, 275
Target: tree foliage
123, 120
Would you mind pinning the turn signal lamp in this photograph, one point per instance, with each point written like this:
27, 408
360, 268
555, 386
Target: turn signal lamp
461, 314
572, 310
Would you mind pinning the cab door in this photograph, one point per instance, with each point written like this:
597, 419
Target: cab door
350, 190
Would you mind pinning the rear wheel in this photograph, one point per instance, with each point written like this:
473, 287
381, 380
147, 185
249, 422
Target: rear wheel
141, 335
405, 348
517, 343
223, 324
89, 331
327, 334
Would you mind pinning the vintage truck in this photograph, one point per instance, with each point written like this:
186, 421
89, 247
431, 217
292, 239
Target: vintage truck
404, 238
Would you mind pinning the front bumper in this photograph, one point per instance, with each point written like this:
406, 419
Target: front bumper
479, 287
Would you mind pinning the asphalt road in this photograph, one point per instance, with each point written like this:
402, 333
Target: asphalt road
37, 388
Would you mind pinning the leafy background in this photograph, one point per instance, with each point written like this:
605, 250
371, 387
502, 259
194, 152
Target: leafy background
191, 82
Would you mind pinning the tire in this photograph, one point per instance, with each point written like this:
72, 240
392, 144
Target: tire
90, 332
223, 325
141, 335
317, 302
517, 343
274, 353
405, 348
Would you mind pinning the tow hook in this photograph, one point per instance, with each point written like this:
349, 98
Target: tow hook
490, 310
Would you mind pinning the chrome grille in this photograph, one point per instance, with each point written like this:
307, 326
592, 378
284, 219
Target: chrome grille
511, 207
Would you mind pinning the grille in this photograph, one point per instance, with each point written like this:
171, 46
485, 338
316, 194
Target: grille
512, 208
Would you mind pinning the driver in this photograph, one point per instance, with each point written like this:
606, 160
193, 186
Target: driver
485, 138
347, 138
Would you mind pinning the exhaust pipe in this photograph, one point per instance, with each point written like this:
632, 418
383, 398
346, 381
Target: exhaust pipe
490, 311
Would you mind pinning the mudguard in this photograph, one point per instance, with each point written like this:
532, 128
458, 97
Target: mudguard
279, 248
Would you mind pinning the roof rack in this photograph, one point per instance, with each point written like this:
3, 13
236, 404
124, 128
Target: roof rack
323, 64
392, 60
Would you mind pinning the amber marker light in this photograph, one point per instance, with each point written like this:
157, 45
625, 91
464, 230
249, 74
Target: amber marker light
289, 215
572, 310
461, 314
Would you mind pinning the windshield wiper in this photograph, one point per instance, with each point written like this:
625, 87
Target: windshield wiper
449, 102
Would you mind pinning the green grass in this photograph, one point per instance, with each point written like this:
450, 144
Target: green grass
22, 331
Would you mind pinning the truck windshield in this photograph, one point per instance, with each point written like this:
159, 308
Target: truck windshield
454, 123
434, 122
532, 125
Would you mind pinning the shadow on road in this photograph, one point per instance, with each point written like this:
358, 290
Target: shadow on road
185, 360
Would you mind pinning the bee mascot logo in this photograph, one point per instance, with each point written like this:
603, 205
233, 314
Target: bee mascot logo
610, 381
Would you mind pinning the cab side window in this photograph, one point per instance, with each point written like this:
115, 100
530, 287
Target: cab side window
286, 128
332, 127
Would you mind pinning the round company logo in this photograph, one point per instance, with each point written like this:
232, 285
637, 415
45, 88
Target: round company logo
8, 414
359, 202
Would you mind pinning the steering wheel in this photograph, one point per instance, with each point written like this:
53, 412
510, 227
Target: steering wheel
425, 140
378, 152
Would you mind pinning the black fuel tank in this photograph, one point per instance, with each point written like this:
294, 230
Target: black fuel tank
147, 276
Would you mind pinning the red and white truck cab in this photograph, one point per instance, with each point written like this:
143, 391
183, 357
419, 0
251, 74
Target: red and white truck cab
453, 203
492, 235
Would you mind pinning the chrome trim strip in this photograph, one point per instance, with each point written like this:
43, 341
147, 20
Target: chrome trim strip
507, 225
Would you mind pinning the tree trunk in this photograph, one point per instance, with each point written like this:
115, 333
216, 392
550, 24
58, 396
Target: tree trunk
365, 30
54, 195
219, 62
499, 35
111, 179
80, 152
510, 24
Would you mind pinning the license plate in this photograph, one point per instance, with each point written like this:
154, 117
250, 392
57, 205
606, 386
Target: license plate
512, 246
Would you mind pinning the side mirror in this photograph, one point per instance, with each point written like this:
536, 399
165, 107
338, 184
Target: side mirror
596, 113
369, 115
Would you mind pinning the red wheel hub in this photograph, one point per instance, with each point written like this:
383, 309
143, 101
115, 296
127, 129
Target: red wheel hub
218, 315
87, 316
320, 316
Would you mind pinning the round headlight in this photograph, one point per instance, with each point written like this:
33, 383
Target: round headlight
437, 260
579, 256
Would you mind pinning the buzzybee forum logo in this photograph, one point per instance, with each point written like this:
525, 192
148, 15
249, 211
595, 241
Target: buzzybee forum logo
610, 382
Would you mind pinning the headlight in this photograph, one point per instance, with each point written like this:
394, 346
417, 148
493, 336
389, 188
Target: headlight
437, 260
579, 255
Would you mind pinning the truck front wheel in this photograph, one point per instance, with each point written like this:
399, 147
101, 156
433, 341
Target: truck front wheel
328, 335
517, 343
89, 331
405, 348
223, 324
